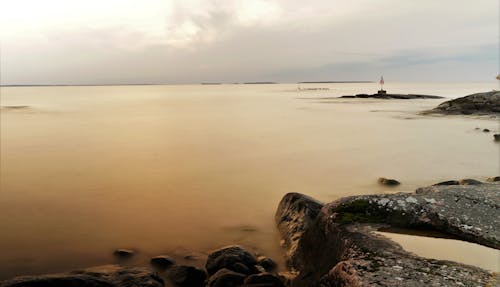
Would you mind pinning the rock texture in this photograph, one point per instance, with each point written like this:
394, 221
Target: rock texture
392, 96
103, 276
337, 246
476, 104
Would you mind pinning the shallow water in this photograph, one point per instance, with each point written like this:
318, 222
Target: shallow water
85, 170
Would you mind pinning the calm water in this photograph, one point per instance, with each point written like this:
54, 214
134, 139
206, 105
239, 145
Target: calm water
182, 169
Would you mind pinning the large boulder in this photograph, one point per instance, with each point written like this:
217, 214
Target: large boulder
102, 276
477, 104
338, 246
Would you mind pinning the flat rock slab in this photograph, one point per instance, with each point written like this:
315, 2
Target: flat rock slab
391, 96
338, 246
102, 276
476, 104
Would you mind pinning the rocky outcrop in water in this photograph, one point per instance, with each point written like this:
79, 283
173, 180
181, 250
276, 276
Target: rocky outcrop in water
390, 96
476, 104
335, 244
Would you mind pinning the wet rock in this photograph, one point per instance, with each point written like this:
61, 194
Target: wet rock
187, 276
388, 181
448, 182
263, 280
496, 137
101, 276
124, 253
478, 104
267, 263
162, 261
226, 278
296, 212
469, 181
493, 179
234, 258
486, 130
338, 247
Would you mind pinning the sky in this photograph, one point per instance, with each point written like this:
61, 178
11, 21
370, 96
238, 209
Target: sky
193, 41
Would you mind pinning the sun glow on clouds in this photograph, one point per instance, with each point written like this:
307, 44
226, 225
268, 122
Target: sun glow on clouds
174, 23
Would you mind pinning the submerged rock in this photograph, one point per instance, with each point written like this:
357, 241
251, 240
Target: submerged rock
448, 182
388, 181
486, 130
102, 276
162, 261
475, 104
337, 246
124, 253
496, 137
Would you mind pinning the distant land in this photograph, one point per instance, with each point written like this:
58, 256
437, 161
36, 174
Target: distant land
162, 84
334, 82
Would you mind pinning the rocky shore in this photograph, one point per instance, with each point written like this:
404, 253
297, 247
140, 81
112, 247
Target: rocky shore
476, 104
327, 245
334, 244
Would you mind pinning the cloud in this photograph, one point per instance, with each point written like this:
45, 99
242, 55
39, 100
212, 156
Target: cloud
237, 40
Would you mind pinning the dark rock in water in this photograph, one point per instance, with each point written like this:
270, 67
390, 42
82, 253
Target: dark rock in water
263, 280
469, 181
267, 263
388, 181
338, 247
448, 182
496, 137
392, 96
124, 253
102, 276
162, 262
476, 104
493, 179
226, 278
187, 276
234, 258
486, 130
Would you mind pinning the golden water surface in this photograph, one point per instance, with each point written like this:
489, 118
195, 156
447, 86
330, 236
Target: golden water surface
185, 169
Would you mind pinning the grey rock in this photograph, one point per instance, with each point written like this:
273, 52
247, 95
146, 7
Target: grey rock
234, 258
264, 280
388, 181
226, 278
496, 137
162, 261
486, 130
101, 276
476, 104
187, 276
337, 247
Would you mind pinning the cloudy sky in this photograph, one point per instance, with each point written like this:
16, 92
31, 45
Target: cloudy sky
192, 41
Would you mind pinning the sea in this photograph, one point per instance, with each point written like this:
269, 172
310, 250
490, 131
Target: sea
185, 169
